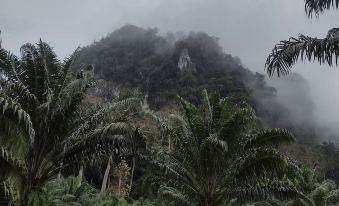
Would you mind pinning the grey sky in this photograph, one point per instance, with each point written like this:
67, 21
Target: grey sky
246, 28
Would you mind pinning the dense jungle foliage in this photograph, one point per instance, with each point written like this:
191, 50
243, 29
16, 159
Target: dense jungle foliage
148, 120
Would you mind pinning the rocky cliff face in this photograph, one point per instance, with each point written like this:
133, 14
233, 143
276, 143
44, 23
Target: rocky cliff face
185, 62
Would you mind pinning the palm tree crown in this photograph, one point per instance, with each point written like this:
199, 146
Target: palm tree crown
43, 127
218, 155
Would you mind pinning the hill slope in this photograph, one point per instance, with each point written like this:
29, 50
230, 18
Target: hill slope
162, 67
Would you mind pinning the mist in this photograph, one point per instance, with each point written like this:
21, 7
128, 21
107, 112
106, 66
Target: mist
245, 28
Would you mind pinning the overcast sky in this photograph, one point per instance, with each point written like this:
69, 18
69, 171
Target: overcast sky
246, 28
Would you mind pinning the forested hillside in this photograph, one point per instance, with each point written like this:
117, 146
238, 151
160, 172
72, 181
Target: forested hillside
162, 67
144, 119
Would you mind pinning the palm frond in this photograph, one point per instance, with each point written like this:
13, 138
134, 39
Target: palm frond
8, 191
316, 7
23, 94
42, 69
9, 65
270, 137
214, 140
236, 124
114, 111
12, 110
257, 160
30, 76
70, 97
64, 73
266, 189
207, 111
324, 188
286, 53
96, 141
190, 111
10, 163
332, 196
179, 173
116, 128
117, 108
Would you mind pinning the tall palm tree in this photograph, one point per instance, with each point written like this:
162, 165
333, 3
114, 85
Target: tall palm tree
324, 50
218, 155
44, 129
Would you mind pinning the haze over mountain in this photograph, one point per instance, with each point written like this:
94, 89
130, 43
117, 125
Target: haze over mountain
246, 28
169, 102
162, 67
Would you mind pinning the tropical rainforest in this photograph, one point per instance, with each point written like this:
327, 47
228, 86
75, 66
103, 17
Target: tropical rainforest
146, 119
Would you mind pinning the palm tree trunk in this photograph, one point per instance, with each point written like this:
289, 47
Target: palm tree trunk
132, 174
119, 187
25, 188
207, 200
104, 181
81, 172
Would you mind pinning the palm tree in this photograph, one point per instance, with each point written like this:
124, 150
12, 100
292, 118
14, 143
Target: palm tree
44, 129
218, 155
326, 50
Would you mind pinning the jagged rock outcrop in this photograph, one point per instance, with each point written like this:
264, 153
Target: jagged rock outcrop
185, 63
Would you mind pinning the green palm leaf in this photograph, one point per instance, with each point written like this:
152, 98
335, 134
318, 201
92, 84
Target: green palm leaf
286, 53
270, 137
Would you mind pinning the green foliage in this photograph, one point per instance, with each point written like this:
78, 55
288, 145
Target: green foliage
217, 154
152, 202
44, 126
75, 191
72, 191
322, 193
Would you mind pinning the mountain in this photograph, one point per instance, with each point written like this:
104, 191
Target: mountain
162, 67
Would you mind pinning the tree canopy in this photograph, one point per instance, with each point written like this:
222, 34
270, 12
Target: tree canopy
44, 129
218, 155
